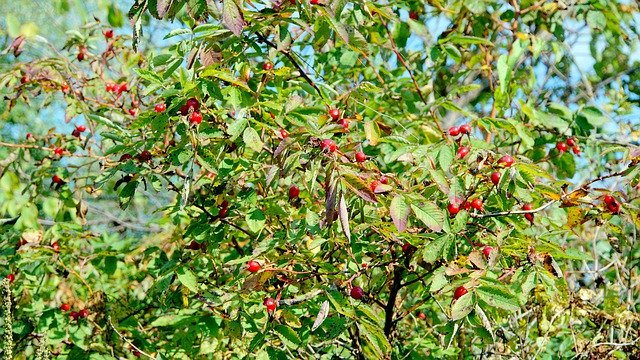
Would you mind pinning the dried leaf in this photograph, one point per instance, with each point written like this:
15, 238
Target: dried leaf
322, 314
330, 203
344, 217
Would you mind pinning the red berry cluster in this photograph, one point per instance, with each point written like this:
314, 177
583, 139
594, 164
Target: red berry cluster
564, 146
336, 116
463, 129
455, 206
528, 216
78, 130
75, 315
612, 204
116, 88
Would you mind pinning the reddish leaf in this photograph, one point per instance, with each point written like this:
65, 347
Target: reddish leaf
400, 212
232, 17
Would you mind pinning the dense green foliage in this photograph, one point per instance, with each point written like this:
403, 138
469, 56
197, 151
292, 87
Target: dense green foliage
173, 164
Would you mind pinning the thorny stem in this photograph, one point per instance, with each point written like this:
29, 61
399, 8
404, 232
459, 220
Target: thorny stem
8, 320
551, 202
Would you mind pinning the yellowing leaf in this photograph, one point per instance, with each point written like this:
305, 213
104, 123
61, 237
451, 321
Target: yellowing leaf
548, 192
574, 217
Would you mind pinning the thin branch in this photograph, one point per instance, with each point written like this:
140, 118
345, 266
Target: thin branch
551, 202
291, 58
127, 340
406, 66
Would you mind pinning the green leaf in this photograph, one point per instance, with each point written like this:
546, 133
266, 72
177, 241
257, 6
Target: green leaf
497, 297
255, 220
252, 139
375, 338
400, 212
462, 306
110, 265
257, 342
565, 166
334, 326
187, 278
435, 249
466, 40
453, 52
288, 336
594, 116
445, 157
431, 215
170, 320
236, 128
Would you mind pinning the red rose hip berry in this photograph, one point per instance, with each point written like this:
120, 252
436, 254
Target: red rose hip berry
459, 292
65, 307
495, 178
335, 114
195, 118
294, 192
608, 199
506, 161
561, 146
253, 266
11, 278
454, 131
477, 204
487, 251
528, 216
374, 185
328, 145
453, 209
161, 107
356, 292
360, 157
465, 129
270, 303
462, 152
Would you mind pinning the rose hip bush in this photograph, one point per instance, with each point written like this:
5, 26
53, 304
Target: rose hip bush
325, 179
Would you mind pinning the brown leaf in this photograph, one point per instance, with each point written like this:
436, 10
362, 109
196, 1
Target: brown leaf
256, 281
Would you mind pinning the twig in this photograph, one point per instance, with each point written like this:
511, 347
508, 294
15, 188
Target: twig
546, 205
406, 66
127, 340
289, 56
